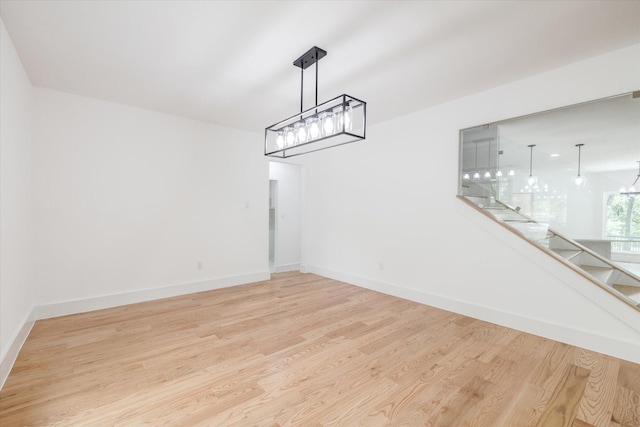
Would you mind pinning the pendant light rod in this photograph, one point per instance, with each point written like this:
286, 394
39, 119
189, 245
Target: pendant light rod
310, 57
476, 155
579, 180
532, 180
579, 153
487, 174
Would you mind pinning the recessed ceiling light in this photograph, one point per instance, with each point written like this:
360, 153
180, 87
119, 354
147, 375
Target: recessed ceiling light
555, 155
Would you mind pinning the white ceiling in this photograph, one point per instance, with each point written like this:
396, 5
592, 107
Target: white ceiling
230, 62
609, 129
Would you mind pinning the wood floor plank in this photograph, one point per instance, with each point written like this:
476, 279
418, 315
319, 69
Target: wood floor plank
550, 370
626, 409
629, 376
506, 376
304, 350
596, 406
562, 408
454, 411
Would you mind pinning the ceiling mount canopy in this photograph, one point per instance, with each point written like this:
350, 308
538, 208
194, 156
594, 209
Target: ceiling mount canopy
339, 121
310, 57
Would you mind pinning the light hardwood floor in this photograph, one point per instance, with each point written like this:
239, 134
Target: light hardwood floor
307, 351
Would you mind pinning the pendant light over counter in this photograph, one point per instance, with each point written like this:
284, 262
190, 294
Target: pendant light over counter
487, 173
476, 174
632, 190
532, 180
579, 180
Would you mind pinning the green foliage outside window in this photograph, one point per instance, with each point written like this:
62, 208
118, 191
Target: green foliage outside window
623, 217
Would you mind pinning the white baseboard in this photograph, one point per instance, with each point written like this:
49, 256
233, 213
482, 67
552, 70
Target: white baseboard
9, 358
107, 301
579, 338
286, 267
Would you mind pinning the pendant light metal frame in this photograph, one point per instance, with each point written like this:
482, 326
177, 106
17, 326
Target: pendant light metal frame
341, 120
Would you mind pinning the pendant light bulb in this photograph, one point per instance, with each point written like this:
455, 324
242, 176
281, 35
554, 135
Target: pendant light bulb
347, 118
301, 133
290, 136
314, 128
327, 124
280, 140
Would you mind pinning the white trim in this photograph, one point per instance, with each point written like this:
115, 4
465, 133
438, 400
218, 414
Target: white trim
10, 356
286, 267
114, 300
576, 337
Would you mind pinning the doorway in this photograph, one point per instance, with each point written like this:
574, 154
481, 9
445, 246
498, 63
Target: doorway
273, 197
285, 211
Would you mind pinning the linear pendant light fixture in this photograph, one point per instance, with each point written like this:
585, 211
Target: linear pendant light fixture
339, 121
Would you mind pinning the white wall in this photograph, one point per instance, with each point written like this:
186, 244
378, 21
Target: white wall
585, 209
16, 262
383, 214
288, 215
133, 205
584, 206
